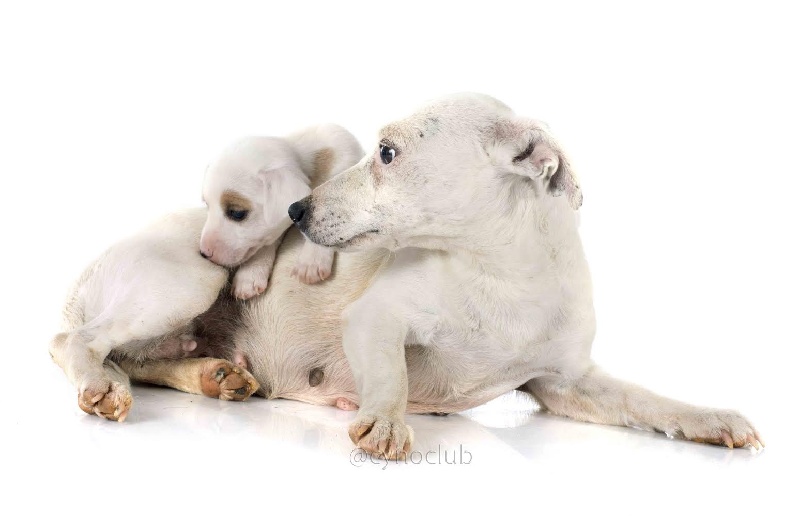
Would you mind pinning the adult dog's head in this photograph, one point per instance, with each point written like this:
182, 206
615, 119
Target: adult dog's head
438, 176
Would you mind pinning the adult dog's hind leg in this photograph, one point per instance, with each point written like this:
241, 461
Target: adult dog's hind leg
598, 398
212, 377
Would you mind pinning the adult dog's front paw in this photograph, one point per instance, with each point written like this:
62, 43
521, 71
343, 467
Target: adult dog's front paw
222, 379
107, 399
249, 282
381, 436
721, 427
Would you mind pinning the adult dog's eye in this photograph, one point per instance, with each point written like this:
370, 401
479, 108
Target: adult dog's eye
236, 215
387, 154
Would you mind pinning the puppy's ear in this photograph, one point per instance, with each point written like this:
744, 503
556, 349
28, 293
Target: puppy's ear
282, 187
529, 150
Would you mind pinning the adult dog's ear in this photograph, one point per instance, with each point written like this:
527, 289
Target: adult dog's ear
282, 187
529, 150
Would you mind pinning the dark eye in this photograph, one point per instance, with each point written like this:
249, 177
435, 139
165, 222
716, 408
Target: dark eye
387, 154
236, 215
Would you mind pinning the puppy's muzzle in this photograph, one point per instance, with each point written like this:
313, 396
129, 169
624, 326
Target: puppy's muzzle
300, 213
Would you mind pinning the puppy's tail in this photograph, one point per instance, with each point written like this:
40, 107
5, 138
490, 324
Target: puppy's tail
325, 150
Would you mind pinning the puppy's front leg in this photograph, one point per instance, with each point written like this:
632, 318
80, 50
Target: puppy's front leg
252, 277
374, 342
314, 264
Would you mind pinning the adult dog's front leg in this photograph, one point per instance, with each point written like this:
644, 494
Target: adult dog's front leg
598, 398
374, 342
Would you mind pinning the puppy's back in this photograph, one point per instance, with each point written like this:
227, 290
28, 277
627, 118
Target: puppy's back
146, 263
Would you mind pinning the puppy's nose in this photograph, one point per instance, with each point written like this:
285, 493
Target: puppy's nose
204, 255
297, 211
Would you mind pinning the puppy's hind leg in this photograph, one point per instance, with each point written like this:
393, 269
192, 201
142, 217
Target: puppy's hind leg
598, 398
125, 325
314, 264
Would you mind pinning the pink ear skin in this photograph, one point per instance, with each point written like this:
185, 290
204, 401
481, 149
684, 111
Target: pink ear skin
550, 164
541, 157
544, 160
565, 181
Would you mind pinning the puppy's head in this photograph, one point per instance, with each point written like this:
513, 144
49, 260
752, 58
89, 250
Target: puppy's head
438, 177
247, 190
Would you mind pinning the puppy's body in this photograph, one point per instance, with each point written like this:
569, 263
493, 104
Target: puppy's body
156, 296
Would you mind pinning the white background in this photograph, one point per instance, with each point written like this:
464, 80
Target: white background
681, 120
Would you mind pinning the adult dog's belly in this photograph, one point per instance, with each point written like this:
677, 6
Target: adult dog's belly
292, 336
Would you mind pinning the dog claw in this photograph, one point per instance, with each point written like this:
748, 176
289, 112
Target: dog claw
357, 433
382, 437
727, 439
110, 401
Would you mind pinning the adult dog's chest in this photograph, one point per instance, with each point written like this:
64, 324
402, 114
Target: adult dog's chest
480, 321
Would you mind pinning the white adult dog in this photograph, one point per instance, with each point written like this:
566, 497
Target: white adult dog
471, 282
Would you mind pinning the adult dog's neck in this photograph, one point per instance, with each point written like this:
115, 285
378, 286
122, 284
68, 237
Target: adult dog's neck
530, 233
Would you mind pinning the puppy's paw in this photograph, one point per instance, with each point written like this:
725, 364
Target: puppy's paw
249, 282
107, 399
310, 273
224, 380
720, 427
314, 264
382, 437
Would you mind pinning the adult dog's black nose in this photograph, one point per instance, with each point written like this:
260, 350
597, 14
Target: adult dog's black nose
297, 212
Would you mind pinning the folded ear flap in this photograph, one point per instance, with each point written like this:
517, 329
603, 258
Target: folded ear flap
539, 156
282, 187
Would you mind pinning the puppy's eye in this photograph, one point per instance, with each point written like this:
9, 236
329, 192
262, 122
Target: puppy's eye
387, 154
236, 215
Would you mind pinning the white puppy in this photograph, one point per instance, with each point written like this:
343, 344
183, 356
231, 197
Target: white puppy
247, 190
153, 296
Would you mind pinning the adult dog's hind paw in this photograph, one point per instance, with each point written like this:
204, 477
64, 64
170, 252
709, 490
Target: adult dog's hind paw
720, 427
